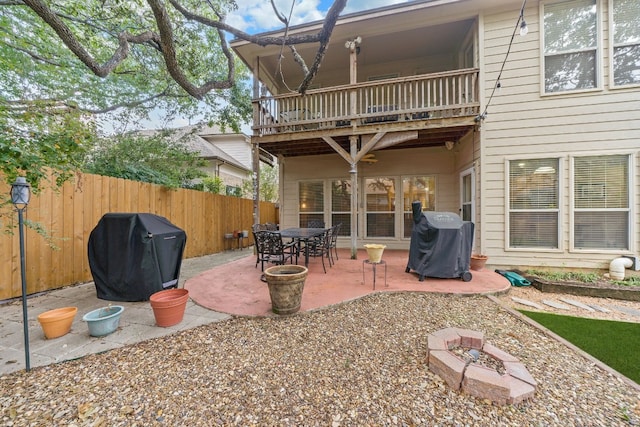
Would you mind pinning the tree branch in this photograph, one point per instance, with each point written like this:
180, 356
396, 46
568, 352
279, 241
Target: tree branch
325, 35
65, 105
164, 42
76, 47
169, 54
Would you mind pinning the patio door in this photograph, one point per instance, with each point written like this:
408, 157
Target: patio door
467, 195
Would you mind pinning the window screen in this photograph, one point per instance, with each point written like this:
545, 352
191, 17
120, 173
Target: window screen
417, 188
533, 203
341, 205
311, 199
380, 207
626, 42
601, 202
570, 45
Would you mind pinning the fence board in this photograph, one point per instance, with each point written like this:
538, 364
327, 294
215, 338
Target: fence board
71, 214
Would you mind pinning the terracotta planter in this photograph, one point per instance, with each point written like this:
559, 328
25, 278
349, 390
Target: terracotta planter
169, 305
286, 283
375, 252
56, 323
478, 262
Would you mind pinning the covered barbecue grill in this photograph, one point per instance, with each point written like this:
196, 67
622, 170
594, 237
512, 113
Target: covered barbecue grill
440, 245
133, 255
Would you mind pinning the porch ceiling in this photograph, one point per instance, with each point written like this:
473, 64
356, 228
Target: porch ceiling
434, 137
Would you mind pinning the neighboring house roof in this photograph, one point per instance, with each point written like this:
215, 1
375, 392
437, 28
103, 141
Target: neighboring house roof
190, 137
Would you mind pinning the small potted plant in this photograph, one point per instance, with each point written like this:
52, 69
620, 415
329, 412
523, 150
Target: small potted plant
478, 261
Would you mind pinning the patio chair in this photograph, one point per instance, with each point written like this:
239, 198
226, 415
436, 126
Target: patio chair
333, 244
315, 223
271, 249
320, 248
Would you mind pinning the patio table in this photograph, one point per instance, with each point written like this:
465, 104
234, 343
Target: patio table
302, 235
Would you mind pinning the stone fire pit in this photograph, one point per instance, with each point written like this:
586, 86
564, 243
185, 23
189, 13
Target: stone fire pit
512, 387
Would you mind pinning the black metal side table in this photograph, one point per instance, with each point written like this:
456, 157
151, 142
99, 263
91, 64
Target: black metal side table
374, 266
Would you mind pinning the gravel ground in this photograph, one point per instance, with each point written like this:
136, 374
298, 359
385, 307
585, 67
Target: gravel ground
361, 363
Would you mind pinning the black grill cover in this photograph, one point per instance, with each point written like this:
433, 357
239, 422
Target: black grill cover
440, 244
133, 255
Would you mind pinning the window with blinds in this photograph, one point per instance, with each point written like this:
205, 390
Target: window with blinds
341, 205
380, 207
311, 199
570, 45
417, 188
534, 203
601, 207
626, 42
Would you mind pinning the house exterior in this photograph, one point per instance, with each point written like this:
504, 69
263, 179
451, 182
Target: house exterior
228, 155
534, 138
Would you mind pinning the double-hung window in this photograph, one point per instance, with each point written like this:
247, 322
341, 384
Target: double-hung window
380, 196
534, 203
601, 207
626, 41
311, 199
421, 189
570, 45
341, 205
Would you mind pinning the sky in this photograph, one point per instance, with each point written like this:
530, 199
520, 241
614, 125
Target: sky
255, 17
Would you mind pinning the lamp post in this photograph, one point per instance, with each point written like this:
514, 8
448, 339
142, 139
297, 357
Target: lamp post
20, 195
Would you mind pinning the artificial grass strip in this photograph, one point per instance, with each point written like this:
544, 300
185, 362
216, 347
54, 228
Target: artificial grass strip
617, 344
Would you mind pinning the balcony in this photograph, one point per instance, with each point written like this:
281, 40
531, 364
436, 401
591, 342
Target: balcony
423, 101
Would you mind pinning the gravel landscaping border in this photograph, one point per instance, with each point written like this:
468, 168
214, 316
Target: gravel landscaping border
358, 363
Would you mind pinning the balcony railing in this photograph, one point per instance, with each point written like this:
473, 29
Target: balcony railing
422, 97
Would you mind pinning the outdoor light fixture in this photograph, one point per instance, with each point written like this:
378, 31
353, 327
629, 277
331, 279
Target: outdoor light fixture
20, 195
524, 30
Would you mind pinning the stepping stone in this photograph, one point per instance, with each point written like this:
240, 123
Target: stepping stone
599, 308
577, 304
631, 311
527, 302
555, 304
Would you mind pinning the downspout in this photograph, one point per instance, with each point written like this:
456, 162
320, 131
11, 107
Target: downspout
617, 266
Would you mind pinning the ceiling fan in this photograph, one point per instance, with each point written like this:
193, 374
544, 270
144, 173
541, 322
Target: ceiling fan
369, 158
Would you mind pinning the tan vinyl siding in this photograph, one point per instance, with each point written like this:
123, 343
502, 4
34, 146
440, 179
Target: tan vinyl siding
523, 123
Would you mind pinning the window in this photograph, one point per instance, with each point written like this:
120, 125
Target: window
626, 42
341, 205
601, 202
570, 45
422, 189
232, 190
311, 197
533, 203
380, 206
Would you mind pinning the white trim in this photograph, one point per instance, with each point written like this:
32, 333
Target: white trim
470, 171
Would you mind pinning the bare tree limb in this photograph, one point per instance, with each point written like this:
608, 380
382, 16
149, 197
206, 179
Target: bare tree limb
280, 16
325, 34
299, 59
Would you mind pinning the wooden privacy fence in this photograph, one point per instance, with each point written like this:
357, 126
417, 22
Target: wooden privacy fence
71, 212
